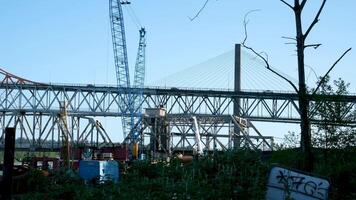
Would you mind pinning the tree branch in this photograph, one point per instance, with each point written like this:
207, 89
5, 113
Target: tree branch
245, 22
327, 73
265, 55
294, 43
316, 20
262, 52
289, 38
303, 4
315, 46
288, 4
200, 10
312, 70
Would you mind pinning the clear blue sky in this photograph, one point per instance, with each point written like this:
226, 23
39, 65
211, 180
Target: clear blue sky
69, 41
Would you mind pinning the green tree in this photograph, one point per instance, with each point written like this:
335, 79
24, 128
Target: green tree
329, 133
290, 140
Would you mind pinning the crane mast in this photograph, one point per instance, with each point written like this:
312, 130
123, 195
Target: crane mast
119, 43
120, 56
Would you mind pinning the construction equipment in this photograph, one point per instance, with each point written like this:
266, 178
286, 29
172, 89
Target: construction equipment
160, 134
120, 54
199, 148
63, 125
129, 98
246, 140
139, 81
105, 170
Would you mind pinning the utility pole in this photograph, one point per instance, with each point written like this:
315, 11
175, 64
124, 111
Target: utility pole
9, 153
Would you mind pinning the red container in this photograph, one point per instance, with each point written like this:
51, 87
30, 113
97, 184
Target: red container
121, 153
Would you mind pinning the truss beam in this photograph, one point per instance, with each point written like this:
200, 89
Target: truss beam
89, 100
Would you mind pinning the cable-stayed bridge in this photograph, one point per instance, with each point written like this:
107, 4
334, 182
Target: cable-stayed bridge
218, 73
34, 108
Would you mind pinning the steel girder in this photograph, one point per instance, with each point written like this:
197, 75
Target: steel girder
35, 130
216, 133
90, 100
35, 108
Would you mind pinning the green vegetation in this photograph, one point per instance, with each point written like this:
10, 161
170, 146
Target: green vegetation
20, 155
228, 175
327, 135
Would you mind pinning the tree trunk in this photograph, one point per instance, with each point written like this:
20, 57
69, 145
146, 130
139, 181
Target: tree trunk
305, 142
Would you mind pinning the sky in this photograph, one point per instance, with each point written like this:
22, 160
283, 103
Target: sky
66, 41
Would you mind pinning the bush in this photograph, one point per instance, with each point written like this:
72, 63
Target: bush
225, 175
229, 175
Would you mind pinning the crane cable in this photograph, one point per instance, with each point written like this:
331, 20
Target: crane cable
133, 16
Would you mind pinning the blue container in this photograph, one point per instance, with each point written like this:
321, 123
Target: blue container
142, 156
104, 170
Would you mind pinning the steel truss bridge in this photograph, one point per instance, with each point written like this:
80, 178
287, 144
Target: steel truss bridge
34, 109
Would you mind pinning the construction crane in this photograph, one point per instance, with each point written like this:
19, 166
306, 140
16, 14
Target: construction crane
129, 99
120, 53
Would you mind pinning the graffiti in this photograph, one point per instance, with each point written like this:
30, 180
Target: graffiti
314, 189
296, 185
300, 184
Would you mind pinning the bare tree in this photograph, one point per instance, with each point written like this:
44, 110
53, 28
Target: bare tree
199, 11
304, 97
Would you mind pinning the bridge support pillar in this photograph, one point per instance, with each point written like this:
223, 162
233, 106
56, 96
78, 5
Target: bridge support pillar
237, 88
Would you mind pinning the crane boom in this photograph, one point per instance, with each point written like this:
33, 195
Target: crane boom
139, 81
139, 78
